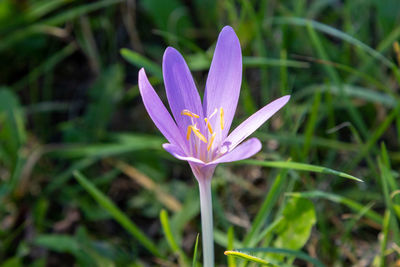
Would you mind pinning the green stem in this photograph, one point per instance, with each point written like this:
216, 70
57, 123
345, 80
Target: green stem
206, 222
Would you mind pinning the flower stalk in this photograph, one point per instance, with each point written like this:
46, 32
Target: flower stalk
207, 222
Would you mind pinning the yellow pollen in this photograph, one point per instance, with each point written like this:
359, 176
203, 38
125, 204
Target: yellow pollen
211, 141
208, 125
196, 132
189, 113
188, 132
222, 122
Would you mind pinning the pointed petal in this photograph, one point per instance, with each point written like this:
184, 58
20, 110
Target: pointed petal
181, 90
242, 151
158, 113
179, 154
247, 127
224, 78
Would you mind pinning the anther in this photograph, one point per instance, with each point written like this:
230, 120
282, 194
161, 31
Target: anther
189, 113
211, 141
189, 130
199, 135
221, 120
208, 125
196, 132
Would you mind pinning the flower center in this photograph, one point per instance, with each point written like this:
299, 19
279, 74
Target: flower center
208, 137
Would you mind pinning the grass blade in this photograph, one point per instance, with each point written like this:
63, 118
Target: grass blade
194, 263
376, 217
286, 252
140, 61
300, 167
231, 238
42, 26
170, 237
336, 33
248, 257
265, 209
116, 213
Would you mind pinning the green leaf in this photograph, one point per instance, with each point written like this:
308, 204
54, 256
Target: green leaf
294, 229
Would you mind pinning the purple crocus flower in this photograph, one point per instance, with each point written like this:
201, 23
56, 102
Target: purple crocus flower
199, 133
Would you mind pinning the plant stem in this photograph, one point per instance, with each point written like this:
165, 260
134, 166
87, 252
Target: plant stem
206, 222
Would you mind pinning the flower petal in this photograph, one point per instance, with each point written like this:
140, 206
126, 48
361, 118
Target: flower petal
247, 127
224, 78
179, 154
158, 113
181, 90
242, 151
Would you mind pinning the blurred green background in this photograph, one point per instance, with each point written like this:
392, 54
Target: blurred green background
84, 180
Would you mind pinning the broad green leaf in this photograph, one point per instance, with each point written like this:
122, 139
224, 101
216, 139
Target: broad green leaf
294, 229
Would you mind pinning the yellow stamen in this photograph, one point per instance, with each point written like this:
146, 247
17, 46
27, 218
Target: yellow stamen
199, 135
188, 132
189, 113
196, 132
211, 141
208, 125
221, 120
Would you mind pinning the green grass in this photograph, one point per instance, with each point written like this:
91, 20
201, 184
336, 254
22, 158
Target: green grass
71, 112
